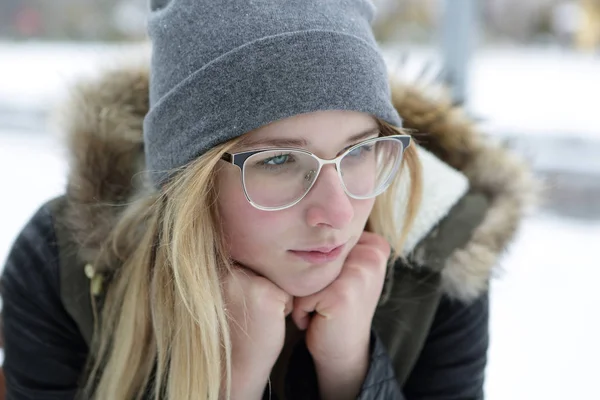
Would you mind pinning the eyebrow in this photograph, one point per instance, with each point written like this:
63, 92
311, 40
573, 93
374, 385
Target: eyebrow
289, 142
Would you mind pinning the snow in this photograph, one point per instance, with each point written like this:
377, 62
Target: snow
35, 76
539, 91
544, 324
532, 91
32, 172
544, 319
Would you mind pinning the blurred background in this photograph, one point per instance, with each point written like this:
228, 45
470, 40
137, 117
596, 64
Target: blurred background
527, 71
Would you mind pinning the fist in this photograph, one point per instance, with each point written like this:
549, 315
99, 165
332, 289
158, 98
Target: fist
256, 310
338, 319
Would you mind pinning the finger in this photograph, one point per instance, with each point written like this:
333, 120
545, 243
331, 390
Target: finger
303, 307
280, 295
289, 306
301, 318
376, 241
376, 255
367, 237
364, 256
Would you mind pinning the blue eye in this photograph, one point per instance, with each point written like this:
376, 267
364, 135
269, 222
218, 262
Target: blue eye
277, 160
357, 152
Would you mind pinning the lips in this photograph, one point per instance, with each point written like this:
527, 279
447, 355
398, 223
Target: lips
319, 255
322, 249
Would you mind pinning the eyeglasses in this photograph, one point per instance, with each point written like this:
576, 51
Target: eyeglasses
275, 179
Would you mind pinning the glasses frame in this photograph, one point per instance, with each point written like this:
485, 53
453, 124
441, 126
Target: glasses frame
239, 160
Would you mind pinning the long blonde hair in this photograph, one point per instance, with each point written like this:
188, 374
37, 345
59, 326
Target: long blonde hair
163, 327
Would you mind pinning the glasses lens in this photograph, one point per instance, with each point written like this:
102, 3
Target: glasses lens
279, 178
369, 169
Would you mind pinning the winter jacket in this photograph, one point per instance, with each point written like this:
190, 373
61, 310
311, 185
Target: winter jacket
430, 330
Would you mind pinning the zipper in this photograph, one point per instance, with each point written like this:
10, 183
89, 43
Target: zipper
96, 283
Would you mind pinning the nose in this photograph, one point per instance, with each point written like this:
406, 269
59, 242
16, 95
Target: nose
327, 202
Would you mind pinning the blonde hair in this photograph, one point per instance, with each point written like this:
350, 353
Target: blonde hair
163, 327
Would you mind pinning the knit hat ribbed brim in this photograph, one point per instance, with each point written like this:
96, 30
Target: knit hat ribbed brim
201, 98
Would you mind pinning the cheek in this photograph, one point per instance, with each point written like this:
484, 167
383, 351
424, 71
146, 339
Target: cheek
248, 231
362, 210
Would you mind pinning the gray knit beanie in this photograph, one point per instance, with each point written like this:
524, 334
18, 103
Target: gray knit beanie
221, 68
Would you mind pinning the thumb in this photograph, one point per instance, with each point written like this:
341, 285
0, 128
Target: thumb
303, 307
289, 306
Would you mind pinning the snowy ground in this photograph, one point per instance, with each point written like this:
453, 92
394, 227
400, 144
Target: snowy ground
544, 325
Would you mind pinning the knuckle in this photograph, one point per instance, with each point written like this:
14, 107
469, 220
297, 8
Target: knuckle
358, 273
367, 266
374, 257
299, 302
368, 257
343, 297
266, 294
380, 243
260, 288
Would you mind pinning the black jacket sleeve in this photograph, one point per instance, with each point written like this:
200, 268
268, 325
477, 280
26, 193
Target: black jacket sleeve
453, 360
44, 352
380, 382
451, 365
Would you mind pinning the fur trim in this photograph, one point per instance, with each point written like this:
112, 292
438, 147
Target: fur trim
492, 169
104, 136
442, 188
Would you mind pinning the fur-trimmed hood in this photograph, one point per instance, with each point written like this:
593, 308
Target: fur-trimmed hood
103, 126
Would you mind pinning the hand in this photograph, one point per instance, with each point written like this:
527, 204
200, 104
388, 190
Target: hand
338, 318
257, 309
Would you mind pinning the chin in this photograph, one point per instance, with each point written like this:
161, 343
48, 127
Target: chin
314, 281
305, 291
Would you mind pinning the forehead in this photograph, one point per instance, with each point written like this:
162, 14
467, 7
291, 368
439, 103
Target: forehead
318, 129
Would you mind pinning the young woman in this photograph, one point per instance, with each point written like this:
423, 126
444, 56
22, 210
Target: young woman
249, 219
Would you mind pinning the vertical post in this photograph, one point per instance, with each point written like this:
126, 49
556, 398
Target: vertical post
458, 30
